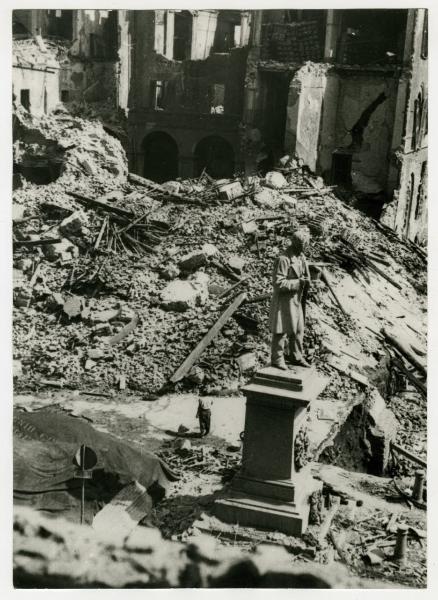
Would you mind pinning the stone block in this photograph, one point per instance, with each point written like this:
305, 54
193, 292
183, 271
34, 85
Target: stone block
192, 261
63, 250
267, 198
181, 295
73, 224
275, 180
236, 263
170, 272
209, 250
95, 353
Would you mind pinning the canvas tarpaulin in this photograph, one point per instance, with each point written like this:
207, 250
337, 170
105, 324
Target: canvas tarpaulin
45, 443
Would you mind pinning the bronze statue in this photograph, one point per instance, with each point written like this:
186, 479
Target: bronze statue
291, 280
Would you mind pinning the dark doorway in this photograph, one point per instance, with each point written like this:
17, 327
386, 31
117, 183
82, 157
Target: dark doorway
25, 99
216, 156
160, 157
341, 168
276, 87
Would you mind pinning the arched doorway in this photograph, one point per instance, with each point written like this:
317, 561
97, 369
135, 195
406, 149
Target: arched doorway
160, 157
216, 156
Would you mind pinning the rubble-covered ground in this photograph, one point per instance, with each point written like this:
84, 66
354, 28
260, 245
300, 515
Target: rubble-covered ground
111, 298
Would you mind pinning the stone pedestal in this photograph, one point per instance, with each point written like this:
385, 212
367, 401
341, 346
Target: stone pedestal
268, 492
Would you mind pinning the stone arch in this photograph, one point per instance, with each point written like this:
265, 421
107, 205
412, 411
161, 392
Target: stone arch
216, 155
160, 152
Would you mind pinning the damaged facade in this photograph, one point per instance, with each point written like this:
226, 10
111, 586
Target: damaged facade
230, 90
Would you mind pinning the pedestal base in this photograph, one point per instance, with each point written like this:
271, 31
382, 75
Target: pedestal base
268, 512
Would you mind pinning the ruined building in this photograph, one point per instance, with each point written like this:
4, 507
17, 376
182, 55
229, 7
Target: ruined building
229, 90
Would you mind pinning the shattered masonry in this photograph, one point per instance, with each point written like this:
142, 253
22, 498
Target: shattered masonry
147, 207
226, 90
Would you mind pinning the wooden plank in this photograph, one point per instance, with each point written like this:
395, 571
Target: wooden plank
96, 203
209, 337
327, 282
101, 232
421, 387
409, 455
31, 243
404, 350
126, 330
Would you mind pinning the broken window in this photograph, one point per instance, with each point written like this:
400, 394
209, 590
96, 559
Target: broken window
372, 36
182, 38
421, 194
65, 95
419, 124
25, 99
425, 37
60, 24
227, 33
159, 94
97, 48
408, 205
217, 98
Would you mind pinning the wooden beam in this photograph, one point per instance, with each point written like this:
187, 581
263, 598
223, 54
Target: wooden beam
409, 455
327, 282
127, 214
404, 350
209, 337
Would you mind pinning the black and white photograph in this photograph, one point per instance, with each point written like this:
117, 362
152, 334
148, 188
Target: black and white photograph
219, 307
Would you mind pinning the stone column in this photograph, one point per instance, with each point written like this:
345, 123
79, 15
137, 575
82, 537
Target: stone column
268, 492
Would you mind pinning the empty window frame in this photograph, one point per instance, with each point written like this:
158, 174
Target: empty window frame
25, 99
158, 94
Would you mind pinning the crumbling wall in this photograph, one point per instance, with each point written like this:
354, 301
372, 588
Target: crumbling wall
353, 93
408, 214
204, 29
304, 113
54, 553
35, 69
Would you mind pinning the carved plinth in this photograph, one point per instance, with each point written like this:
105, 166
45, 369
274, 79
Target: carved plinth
268, 492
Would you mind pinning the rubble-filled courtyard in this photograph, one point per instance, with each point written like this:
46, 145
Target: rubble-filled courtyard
135, 301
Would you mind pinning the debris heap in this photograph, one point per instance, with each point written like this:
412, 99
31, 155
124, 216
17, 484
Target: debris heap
121, 283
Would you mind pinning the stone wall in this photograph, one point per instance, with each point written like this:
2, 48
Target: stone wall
409, 213
304, 113
54, 553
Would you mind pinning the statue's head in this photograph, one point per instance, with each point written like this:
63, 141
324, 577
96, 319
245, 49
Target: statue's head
300, 241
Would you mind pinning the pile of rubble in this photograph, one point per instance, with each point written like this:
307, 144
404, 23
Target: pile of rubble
121, 283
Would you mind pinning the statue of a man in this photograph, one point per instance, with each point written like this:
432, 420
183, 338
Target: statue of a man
291, 280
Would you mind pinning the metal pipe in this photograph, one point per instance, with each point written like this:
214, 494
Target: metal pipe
417, 491
33, 69
401, 543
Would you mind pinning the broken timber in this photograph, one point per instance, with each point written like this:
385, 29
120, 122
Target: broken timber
209, 336
126, 330
103, 205
404, 350
409, 455
326, 281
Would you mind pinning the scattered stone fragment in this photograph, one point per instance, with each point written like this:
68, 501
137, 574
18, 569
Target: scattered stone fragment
73, 306
170, 272
275, 180
236, 263
95, 353
209, 250
191, 262
180, 295
73, 225
247, 361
